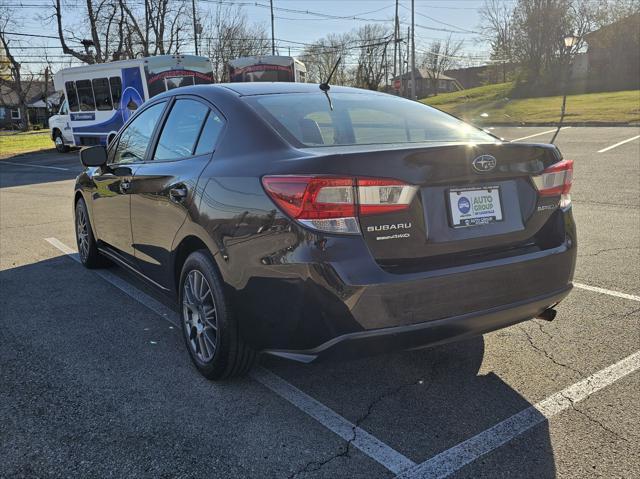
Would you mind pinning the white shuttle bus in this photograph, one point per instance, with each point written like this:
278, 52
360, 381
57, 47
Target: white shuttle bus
268, 69
100, 98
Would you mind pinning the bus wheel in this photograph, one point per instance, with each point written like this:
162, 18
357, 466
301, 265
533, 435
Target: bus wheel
60, 144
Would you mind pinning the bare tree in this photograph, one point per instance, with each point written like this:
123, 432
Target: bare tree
321, 56
148, 29
372, 58
120, 29
227, 35
15, 81
103, 18
496, 26
441, 56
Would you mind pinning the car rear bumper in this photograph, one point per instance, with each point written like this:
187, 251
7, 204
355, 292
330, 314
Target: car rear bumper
425, 334
327, 295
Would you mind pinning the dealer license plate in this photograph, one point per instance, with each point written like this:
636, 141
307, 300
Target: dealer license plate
473, 207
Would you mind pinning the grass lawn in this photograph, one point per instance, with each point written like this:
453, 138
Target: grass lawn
13, 143
491, 104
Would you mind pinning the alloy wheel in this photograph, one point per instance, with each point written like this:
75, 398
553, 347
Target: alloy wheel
82, 232
199, 316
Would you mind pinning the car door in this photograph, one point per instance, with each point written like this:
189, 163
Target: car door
164, 187
111, 200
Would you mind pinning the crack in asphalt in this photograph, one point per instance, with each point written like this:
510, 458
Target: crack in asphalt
608, 250
544, 352
542, 330
344, 451
592, 419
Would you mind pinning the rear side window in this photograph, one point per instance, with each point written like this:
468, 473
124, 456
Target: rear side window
85, 95
102, 94
72, 96
116, 90
134, 140
360, 119
181, 130
210, 133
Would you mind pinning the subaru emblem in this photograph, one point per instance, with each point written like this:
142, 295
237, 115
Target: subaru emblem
484, 163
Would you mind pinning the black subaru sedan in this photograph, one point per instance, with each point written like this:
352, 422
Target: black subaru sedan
304, 223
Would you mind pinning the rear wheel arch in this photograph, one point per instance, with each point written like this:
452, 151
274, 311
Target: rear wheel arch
189, 244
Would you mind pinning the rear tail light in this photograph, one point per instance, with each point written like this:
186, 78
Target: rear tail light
556, 181
333, 204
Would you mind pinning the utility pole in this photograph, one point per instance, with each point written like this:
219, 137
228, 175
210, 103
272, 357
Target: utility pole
273, 38
403, 87
195, 25
46, 91
413, 50
146, 28
395, 46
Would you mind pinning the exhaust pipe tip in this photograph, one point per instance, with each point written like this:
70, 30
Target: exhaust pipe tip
548, 314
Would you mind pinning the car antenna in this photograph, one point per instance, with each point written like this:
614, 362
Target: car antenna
324, 86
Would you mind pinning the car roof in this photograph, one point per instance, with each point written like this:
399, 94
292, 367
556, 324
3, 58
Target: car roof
270, 88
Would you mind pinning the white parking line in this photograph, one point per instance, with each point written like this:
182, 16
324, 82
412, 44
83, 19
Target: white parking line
33, 166
540, 134
151, 303
617, 294
368, 444
618, 144
371, 446
452, 460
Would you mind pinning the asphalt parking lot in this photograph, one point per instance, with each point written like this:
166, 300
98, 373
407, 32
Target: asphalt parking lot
95, 380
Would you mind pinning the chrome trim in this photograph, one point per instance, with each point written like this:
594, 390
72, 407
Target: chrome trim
113, 256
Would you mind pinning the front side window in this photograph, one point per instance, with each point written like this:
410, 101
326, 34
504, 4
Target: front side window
360, 119
181, 130
102, 94
72, 96
85, 95
64, 108
134, 140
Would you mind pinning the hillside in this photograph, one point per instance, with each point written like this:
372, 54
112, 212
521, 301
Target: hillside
491, 104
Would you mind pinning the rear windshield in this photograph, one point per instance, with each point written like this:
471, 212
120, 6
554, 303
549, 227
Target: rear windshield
360, 119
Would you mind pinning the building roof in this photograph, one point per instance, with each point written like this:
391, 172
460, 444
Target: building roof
632, 21
425, 73
36, 89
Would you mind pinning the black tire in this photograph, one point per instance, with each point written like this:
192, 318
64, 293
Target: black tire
61, 146
88, 252
230, 355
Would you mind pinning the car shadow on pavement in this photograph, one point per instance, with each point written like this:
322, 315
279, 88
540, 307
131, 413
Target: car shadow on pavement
424, 402
27, 168
418, 402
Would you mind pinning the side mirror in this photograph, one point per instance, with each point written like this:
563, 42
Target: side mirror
93, 156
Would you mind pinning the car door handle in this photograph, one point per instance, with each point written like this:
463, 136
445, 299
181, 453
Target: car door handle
124, 186
178, 193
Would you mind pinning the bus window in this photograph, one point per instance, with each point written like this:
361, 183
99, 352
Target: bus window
156, 86
102, 94
72, 95
116, 91
177, 82
85, 95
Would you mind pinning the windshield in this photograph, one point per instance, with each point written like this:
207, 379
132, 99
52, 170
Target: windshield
360, 119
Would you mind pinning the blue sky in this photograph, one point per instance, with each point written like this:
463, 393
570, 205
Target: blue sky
433, 17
